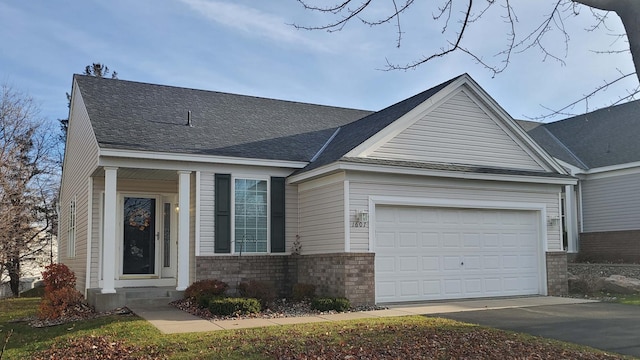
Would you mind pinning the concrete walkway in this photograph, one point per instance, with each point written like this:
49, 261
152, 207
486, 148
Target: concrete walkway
170, 320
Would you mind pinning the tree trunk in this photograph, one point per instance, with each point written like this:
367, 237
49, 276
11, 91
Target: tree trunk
629, 13
14, 275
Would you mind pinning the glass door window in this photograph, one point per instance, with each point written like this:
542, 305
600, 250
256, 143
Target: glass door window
139, 236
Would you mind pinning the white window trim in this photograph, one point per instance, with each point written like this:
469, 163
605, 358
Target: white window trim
233, 210
71, 228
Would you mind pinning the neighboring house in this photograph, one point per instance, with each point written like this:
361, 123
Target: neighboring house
602, 149
439, 196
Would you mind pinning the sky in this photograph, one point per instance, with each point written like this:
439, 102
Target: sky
252, 48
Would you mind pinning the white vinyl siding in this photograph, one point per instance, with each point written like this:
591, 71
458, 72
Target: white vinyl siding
459, 132
81, 159
361, 187
322, 219
291, 215
611, 203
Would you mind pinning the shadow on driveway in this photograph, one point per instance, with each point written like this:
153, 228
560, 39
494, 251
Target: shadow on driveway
606, 326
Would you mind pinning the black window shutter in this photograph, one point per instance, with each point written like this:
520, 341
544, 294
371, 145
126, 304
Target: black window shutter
222, 211
277, 215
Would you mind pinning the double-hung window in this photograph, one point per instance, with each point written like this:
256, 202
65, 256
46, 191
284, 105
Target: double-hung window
250, 216
71, 230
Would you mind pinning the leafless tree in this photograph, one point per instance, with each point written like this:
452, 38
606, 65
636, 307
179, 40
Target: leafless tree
28, 178
457, 19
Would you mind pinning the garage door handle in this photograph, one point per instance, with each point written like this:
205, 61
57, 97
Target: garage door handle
462, 263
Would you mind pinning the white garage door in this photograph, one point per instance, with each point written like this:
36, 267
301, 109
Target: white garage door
429, 253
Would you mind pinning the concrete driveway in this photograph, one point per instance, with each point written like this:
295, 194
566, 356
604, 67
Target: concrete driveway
605, 326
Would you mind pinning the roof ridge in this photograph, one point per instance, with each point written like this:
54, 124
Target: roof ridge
222, 92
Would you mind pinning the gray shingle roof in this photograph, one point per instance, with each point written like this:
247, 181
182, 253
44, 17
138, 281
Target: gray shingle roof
139, 116
605, 137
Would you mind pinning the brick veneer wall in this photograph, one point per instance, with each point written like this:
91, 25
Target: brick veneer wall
349, 275
557, 279
610, 246
235, 269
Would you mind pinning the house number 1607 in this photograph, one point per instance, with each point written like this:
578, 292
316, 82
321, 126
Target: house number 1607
359, 224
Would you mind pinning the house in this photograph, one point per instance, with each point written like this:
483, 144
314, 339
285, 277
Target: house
439, 196
602, 150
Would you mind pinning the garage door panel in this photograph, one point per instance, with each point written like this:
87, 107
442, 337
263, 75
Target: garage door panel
431, 288
408, 240
410, 289
451, 240
451, 263
385, 240
385, 265
408, 264
431, 263
430, 240
443, 253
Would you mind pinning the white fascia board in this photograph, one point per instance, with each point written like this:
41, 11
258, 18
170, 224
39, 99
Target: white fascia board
196, 158
614, 170
337, 166
573, 170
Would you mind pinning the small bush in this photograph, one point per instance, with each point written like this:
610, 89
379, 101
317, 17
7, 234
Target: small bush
58, 276
58, 302
331, 304
60, 294
234, 306
210, 287
304, 292
260, 290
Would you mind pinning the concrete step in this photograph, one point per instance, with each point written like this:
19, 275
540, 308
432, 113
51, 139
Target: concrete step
148, 302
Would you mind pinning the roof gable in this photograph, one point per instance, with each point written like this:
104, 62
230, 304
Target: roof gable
457, 131
409, 122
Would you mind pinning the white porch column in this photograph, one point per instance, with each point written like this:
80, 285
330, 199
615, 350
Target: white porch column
571, 219
184, 187
109, 230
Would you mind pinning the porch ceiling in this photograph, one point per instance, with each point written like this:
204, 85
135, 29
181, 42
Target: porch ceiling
145, 174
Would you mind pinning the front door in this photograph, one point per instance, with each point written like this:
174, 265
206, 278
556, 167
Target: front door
139, 237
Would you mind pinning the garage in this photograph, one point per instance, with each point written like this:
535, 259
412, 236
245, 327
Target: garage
435, 253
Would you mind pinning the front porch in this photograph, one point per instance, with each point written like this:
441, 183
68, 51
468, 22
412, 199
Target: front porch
142, 234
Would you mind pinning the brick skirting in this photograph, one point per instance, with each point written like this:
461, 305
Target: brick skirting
610, 246
557, 279
349, 275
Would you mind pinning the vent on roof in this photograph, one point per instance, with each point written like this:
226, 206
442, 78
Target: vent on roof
189, 123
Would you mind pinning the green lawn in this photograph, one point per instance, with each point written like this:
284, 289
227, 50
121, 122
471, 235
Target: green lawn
629, 299
404, 337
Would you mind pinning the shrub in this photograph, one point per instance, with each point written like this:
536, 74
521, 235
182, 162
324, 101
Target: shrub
208, 288
58, 276
60, 294
233, 306
260, 290
329, 304
59, 302
304, 292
